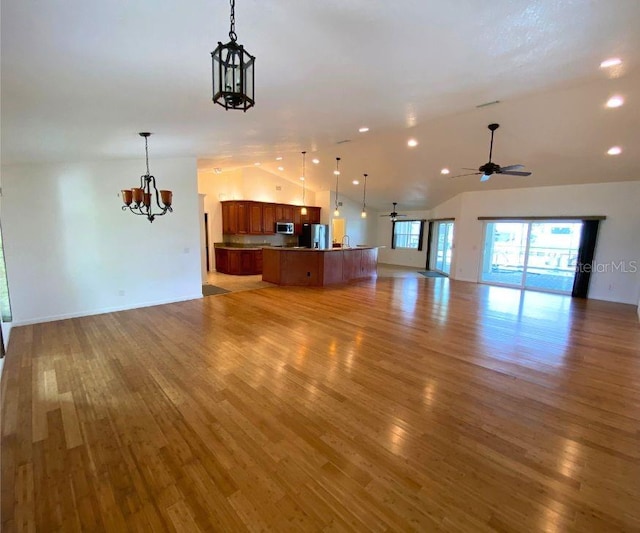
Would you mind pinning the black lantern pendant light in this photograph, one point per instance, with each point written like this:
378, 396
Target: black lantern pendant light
232, 70
303, 211
364, 199
336, 213
139, 200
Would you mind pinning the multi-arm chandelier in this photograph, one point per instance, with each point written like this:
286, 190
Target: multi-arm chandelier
140, 200
232, 71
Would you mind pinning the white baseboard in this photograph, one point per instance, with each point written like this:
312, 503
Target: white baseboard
39, 320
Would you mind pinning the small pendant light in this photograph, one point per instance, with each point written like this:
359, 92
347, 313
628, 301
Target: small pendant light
364, 199
336, 213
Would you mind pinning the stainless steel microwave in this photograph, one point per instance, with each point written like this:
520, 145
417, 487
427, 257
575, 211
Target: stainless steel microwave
284, 227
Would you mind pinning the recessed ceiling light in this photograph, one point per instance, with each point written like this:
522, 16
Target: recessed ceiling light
279, 158
336, 172
412, 143
217, 170
444, 171
611, 62
257, 163
315, 161
615, 101
614, 150
280, 169
301, 178
364, 129
355, 182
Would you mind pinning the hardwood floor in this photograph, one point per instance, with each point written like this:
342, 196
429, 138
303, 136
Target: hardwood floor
399, 404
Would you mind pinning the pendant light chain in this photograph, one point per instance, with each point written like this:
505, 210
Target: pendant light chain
304, 176
146, 151
232, 29
364, 194
337, 179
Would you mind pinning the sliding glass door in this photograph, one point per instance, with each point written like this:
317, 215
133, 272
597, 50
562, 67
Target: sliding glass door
531, 255
444, 246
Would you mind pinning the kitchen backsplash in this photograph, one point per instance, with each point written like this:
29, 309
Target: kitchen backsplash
274, 240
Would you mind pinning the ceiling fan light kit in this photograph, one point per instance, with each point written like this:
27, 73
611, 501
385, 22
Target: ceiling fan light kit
490, 168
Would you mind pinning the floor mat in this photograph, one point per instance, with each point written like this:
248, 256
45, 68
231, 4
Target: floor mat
212, 290
432, 274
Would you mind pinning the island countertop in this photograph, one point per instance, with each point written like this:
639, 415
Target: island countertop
318, 267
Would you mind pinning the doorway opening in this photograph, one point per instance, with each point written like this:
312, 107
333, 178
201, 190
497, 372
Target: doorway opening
337, 230
443, 247
206, 241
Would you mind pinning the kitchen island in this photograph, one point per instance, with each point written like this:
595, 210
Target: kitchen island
318, 268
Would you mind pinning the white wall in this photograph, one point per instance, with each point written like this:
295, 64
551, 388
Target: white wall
72, 251
360, 230
618, 238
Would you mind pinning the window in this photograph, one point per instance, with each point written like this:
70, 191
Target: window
408, 234
532, 255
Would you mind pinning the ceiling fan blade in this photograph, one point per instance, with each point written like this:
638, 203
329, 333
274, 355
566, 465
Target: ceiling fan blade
485, 177
401, 216
467, 168
511, 167
463, 175
514, 173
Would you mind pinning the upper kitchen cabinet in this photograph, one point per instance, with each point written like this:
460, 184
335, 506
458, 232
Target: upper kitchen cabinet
230, 217
269, 218
284, 213
255, 218
245, 217
312, 216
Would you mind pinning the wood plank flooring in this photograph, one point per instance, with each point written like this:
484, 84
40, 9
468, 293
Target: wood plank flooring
393, 404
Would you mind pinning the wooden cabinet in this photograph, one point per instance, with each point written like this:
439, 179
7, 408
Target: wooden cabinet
297, 220
245, 217
284, 213
230, 217
312, 216
255, 218
318, 268
269, 218
238, 261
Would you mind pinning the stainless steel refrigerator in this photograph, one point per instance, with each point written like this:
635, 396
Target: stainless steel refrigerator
315, 236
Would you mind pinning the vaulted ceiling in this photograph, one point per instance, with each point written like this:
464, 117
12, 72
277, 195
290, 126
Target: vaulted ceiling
80, 79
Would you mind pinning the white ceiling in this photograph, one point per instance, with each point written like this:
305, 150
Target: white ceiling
80, 79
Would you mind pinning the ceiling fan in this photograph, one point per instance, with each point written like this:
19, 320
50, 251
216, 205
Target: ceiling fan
490, 168
394, 214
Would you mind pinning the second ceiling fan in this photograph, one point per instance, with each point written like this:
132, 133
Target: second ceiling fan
490, 168
394, 214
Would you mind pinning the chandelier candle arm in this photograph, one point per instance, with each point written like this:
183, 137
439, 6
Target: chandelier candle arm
139, 199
